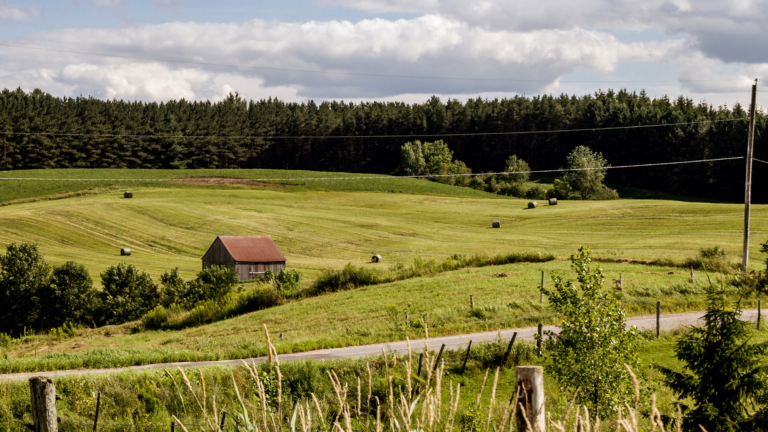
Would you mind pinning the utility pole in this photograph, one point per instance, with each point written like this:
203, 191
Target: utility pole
748, 183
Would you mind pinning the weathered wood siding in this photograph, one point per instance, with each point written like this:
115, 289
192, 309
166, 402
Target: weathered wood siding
248, 271
218, 255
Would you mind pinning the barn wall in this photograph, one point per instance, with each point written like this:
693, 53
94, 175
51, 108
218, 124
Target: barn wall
252, 270
218, 255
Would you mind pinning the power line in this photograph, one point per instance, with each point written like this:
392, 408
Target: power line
266, 68
57, 134
373, 177
756, 159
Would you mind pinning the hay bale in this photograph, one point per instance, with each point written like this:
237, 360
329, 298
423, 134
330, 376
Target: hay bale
125, 252
496, 224
128, 194
533, 204
376, 258
553, 201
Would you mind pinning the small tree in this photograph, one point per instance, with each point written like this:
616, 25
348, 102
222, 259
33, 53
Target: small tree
417, 158
593, 345
213, 283
69, 297
587, 180
174, 288
724, 376
23, 273
515, 164
411, 159
128, 294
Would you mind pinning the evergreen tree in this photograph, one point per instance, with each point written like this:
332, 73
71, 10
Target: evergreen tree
724, 375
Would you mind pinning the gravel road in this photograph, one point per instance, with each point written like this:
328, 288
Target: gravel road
668, 322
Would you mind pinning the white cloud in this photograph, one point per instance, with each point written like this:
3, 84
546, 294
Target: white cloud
106, 3
17, 13
430, 46
728, 30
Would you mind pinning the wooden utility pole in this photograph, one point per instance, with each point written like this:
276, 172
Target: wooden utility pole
530, 399
748, 183
43, 404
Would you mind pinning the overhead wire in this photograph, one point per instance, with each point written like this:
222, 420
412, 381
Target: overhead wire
62, 134
381, 177
377, 75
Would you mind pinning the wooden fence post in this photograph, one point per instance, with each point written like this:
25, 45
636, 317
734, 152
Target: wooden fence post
530, 384
466, 357
96, 417
758, 314
509, 350
692, 275
223, 419
173, 426
538, 341
437, 360
43, 404
541, 293
658, 319
471, 301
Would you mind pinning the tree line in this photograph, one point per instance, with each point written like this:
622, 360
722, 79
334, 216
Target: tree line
237, 133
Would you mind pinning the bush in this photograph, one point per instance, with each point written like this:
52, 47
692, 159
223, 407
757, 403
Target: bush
174, 288
536, 192
349, 277
128, 293
514, 164
515, 190
283, 280
213, 283
155, 319
5, 340
256, 299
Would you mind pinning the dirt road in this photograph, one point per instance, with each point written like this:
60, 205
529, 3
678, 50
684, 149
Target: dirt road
668, 322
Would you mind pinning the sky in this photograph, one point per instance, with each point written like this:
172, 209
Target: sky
388, 50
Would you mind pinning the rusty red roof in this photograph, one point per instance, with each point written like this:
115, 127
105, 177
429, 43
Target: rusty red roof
252, 248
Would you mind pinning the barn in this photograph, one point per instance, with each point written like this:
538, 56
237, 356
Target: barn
251, 256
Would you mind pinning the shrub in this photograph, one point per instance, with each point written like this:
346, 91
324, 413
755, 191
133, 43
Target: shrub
715, 252
254, 300
5, 340
155, 319
349, 277
283, 280
515, 164
536, 192
127, 295
587, 181
515, 190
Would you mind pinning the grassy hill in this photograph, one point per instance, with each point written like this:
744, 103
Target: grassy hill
172, 224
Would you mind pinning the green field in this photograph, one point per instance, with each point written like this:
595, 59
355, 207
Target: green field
332, 223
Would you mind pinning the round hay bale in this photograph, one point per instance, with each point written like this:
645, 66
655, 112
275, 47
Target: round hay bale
125, 252
533, 204
496, 224
376, 258
128, 194
553, 201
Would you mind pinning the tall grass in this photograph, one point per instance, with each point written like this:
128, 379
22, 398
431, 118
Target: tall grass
712, 259
352, 276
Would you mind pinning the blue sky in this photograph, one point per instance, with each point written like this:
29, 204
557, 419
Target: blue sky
707, 50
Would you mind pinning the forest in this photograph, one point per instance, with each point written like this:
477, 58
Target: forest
38, 130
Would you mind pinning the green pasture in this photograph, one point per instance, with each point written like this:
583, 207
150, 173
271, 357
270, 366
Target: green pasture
317, 227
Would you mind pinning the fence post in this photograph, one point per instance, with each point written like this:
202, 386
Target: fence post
658, 319
758, 314
437, 360
98, 408
509, 350
530, 384
621, 281
223, 419
538, 341
466, 357
541, 293
406, 318
43, 404
471, 301
692, 275
173, 426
